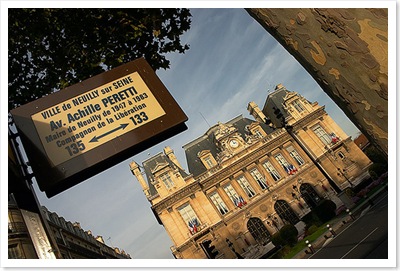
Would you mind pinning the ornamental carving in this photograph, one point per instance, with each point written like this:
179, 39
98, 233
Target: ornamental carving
277, 139
263, 208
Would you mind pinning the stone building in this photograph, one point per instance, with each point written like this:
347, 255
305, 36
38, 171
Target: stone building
36, 233
247, 178
27, 238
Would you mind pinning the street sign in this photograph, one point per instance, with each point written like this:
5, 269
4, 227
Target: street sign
71, 134
84, 122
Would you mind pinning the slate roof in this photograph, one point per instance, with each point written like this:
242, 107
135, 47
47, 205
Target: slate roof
207, 142
275, 99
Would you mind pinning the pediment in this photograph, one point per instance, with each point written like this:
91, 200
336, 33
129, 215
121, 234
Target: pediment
253, 125
289, 95
203, 153
159, 166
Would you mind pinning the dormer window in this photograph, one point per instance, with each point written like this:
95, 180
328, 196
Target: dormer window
209, 162
298, 105
166, 179
256, 130
258, 133
207, 159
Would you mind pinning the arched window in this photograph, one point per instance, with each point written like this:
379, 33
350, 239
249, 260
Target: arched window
309, 195
258, 230
285, 212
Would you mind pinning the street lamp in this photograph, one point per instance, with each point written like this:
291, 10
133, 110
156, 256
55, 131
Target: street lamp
230, 245
310, 247
272, 221
350, 213
297, 195
343, 173
331, 230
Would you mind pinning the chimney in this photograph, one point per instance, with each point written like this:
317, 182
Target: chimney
138, 174
170, 154
255, 111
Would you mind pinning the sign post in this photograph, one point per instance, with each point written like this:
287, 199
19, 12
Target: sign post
71, 134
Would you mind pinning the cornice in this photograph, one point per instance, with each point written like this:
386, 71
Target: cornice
176, 196
308, 118
268, 143
244, 161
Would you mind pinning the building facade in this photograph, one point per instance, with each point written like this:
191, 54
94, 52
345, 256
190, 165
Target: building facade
247, 178
36, 233
27, 238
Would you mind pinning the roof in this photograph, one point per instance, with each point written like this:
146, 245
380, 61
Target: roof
207, 142
275, 101
150, 164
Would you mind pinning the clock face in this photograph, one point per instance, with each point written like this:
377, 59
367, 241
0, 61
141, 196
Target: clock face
234, 143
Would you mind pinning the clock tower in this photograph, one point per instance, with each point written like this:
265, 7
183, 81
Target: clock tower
228, 138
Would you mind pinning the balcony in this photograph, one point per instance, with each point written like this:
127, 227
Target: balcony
198, 230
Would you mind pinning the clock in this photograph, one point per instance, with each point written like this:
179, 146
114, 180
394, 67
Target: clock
234, 143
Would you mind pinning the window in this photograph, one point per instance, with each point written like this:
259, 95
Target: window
207, 159
293, 153
341, 155
259, 178
190, 218
258, 133
298, 105
285, 212
322, 135
309, 195
218, 202
258, 230
289, 168
272, 171
246, 186
235, 198
209, 162
167, 180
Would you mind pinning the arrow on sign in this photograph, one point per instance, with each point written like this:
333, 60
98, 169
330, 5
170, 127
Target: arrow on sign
96, 138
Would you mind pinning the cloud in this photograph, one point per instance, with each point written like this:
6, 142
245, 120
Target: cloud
232, 60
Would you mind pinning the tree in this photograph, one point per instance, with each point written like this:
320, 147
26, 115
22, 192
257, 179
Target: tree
346, 52
50, 49
325, 211
287, 235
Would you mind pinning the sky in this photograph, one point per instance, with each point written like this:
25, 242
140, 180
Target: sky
232, 60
